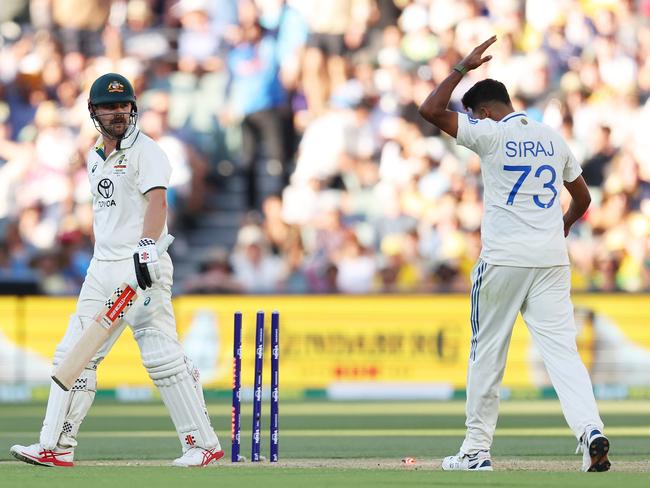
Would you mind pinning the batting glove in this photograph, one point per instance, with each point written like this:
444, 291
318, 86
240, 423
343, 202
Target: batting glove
145, 258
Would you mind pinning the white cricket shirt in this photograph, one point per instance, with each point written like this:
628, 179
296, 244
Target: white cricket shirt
523, 165
118, 184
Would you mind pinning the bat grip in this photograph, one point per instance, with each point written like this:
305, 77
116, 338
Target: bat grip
164, 243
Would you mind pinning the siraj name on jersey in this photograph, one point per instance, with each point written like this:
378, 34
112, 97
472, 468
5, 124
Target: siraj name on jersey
522, 149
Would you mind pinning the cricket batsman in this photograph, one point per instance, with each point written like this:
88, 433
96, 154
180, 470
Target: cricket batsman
129, 175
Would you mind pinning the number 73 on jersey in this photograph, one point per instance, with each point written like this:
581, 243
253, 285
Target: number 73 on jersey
545, 171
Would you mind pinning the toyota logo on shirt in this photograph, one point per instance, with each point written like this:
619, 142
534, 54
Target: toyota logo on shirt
105, 188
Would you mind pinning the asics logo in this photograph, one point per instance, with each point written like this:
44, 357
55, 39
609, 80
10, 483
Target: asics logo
475, 463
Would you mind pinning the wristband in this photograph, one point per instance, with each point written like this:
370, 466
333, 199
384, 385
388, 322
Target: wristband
461, 69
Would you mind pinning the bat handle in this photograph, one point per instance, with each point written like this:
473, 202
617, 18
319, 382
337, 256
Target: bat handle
164, 243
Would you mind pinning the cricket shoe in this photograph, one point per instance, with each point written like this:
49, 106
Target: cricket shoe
595, 448
197, 457
35, 454
479, 461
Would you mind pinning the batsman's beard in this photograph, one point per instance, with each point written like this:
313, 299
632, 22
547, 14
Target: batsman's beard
115, 126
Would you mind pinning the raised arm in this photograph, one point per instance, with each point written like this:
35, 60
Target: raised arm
434, 108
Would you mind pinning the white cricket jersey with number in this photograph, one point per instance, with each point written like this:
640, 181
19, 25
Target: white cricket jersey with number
119, 184
523, 164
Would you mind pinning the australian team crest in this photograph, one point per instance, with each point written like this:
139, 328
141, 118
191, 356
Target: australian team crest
119, 168
115, 87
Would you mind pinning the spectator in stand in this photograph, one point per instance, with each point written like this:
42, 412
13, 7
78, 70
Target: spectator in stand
355, 264
294, 278
254, 266
277, 232
348, 75
336, 27
80, 24
76, 254
13, 267
290, 28
51, 279
140, 37
20, 252
198, 43
257, 97
215, 275
595, 167
400, 270
186, 191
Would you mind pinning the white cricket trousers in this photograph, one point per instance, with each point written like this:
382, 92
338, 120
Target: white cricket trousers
153, 307
542, 295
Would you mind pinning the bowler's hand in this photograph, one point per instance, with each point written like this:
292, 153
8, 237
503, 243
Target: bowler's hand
475, 59
145, 258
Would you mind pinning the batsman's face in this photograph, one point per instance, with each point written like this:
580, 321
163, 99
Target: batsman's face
114, 117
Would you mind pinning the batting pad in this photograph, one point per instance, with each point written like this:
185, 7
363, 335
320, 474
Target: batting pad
179, 386
82, 396
67, 409
57, 405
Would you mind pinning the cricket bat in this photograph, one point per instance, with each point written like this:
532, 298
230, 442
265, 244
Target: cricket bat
96, 334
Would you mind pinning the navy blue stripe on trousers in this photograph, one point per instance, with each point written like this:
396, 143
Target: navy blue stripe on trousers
476, 288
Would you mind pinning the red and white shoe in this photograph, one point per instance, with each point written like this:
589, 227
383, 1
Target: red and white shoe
35, 454
197, 457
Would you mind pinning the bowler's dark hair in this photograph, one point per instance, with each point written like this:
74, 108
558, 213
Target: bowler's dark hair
487, 90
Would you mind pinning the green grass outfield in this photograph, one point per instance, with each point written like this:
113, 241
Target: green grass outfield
334, 444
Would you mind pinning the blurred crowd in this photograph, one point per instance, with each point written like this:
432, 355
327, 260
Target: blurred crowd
325, 94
